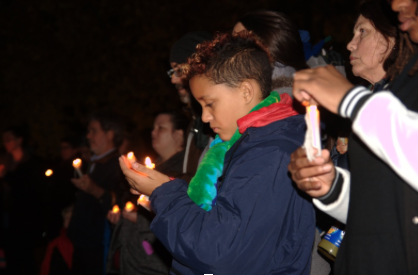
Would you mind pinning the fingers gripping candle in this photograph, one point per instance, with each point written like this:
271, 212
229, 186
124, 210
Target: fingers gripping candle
77, 165
312, 136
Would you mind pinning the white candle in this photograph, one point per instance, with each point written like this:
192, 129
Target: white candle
314, 123
77, 165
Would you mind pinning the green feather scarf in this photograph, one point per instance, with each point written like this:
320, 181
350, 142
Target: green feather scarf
202, 188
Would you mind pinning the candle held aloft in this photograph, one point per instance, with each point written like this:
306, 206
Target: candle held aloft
115, 209
129, 206
148, 163
48, 172
131, 157
144, 201
314, 121
312, 136
77, 165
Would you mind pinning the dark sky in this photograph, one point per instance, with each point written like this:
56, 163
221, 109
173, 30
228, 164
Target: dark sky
62, 60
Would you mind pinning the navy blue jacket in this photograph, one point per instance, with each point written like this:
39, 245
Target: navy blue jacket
260, 224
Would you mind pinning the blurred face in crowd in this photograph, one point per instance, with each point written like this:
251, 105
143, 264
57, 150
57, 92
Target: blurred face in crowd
11, 142
369, 50
180, 82
67, 151
164, 137
407, 16
222, 105
99, 140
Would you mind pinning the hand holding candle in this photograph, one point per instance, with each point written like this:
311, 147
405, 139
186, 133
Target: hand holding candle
142, 180
77, 165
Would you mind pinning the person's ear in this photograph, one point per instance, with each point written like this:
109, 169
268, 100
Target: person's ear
179, 137
19, 141
110, 135
248, 91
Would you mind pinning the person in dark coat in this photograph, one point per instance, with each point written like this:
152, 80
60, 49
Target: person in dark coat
23, 185
378, 200
140, 252
102, 184
241, 213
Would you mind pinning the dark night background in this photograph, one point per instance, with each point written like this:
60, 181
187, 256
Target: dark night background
62, 60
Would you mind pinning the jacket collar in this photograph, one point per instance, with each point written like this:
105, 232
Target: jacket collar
269, 114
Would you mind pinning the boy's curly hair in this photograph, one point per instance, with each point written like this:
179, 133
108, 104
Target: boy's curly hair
230, 59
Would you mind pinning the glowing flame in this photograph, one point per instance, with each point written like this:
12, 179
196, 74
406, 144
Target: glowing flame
142, 198
49, 172
129, 206
77, 163
131, 157
305, 103
115, 209
149, 164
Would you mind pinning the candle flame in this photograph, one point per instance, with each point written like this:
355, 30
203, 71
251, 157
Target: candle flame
142, 198
129, 206
49, 172
131, 156
148, 163
305, 103
77, 163
115, 209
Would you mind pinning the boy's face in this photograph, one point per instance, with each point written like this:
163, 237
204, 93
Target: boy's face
222, 106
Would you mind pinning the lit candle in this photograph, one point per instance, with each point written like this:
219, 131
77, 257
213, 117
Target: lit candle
77, 166
131, 157
313, 114
48, 172
144, 202
129, 206
148, 163
115, 209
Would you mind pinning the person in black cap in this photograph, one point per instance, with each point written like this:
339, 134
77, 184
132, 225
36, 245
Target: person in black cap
199, 136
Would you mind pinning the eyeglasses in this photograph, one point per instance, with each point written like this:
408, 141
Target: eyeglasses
177, 72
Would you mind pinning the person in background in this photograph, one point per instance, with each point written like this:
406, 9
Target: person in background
281, 36
372, 48
198, 135
22, 177
378, 200
102, 184
140, 251
63, 190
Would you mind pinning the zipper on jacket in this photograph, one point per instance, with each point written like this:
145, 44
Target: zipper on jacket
221, 178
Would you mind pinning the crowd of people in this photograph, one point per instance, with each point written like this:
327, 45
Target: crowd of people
234, 190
